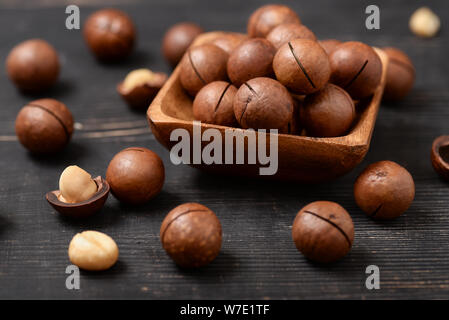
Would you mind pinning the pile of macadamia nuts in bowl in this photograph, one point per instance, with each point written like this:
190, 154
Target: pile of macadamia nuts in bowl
277, 76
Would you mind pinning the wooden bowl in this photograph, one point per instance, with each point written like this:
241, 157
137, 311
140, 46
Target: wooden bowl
300, 158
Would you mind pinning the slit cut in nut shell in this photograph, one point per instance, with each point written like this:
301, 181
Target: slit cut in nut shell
140, 87
440, 156
83, 208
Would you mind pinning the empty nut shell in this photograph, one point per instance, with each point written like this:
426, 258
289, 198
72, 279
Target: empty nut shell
81, 209
440, 156
140, 95
323, 231
191, 235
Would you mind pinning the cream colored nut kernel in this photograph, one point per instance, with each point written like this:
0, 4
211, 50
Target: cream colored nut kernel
93, 251
137, 78
424, 23
76, 185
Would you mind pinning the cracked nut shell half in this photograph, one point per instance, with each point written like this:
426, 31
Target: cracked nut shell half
84, 208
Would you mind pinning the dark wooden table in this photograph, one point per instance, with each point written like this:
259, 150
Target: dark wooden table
258, 258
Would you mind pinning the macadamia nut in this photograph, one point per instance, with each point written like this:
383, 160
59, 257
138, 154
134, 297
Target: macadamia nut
424, 23
93, 251
137, 77
76, 185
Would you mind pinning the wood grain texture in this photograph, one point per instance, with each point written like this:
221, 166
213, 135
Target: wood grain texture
258, 258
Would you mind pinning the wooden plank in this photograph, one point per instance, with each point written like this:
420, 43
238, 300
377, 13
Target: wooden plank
258, 259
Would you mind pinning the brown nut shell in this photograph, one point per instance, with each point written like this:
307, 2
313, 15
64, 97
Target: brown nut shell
201, 65
267, 17
302, 66
251, 59
440, 156
384, 190
294, 127
178, 39
329, 112
214, 104
356, 68
141, 96
286, 32
44, 126
229, 41
191, 235
400, 75
263, 103
135, 175
329, 45
84, 208
110, 34
323, 231
33, 65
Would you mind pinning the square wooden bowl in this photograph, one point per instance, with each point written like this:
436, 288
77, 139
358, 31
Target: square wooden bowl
300, 158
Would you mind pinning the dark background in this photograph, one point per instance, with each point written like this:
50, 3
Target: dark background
258, 258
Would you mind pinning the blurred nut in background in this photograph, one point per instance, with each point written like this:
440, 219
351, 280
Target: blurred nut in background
229, 41
33, 65
93, 251
110, 34
264, 19
286, 32
135, 175
329, 45
424, 23
400, 75
140, 87
44, 126
178, 39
